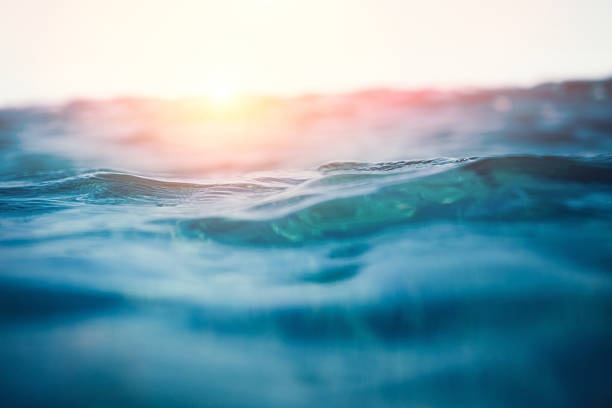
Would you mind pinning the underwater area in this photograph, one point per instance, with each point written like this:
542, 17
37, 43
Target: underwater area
381, 248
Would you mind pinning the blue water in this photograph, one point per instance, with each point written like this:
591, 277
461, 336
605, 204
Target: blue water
382, 248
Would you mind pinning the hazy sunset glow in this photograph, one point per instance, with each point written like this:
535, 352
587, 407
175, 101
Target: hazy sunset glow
60, 49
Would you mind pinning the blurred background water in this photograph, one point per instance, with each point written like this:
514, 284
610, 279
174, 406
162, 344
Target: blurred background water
380, 248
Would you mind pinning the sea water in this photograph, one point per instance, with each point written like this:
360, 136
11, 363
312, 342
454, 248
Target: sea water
382, 248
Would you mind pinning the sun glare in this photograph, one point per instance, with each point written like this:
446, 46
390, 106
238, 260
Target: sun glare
222, 94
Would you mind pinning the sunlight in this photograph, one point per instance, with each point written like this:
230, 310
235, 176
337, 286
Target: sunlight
222, 94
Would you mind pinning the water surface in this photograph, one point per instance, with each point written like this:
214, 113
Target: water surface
382, 248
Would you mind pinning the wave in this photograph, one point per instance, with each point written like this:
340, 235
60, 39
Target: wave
342, 199
105, 187
504, 189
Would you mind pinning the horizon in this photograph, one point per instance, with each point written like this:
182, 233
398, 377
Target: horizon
239, 98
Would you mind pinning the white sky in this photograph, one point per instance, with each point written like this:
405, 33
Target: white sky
53, 50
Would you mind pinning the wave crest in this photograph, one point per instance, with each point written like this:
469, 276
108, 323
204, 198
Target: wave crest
504, 189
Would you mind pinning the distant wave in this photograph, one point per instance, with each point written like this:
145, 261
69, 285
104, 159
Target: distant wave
347, 199
504, 189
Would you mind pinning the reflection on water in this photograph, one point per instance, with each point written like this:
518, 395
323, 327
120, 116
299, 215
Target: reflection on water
381, 248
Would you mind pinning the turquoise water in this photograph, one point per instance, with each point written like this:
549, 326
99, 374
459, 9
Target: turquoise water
375, 249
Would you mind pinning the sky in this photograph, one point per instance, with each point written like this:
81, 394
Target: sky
56, 50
